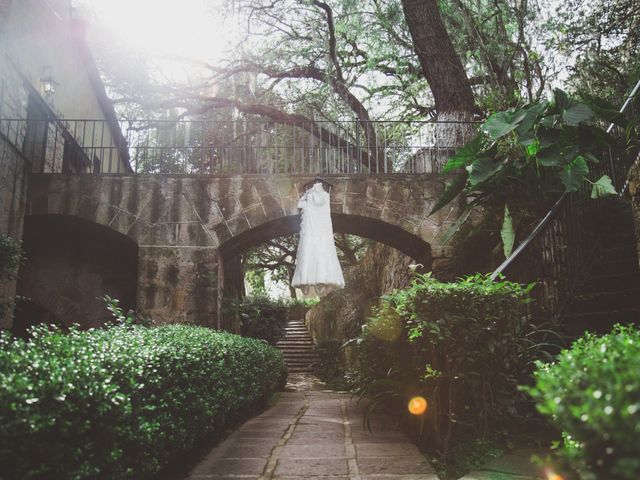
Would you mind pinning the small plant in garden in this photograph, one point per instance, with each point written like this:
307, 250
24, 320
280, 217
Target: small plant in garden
122, 318
11, 257
592, 394
464, 346
260, 317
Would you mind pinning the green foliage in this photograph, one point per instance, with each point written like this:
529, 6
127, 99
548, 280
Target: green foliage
122, 402
260, 317
592, 393
525, 157
464, 346
120, 316
11, 256
329, 368
302, 302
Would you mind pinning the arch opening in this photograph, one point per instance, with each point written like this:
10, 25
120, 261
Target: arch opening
231, 275
71, 263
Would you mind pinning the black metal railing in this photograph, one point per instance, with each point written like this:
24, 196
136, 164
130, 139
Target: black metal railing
563, 244
214, 147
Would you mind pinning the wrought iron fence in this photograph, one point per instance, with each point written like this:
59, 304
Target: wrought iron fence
214, 147
564, 243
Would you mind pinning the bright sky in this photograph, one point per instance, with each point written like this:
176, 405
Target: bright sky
163, 28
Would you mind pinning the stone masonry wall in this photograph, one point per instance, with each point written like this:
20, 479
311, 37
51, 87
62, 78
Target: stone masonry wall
182, 223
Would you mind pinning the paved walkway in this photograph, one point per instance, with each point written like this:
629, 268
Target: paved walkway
312, 434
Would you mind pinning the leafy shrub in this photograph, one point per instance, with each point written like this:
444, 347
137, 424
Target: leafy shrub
328, 368
522, 159
260, 317
298, 307
461, 345
122, 402
303, 302
592, 393
11, 257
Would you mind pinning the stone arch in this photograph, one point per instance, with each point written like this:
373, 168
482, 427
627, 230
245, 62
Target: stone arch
371, 228
70, 263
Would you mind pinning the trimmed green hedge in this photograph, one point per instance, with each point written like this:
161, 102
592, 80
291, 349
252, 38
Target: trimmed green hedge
124, 401
592, 393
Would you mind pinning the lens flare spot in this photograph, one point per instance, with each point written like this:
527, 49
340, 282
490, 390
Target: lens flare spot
387, 325
551, 475
417, 405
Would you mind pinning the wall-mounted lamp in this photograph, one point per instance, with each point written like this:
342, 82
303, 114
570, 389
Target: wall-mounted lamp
47, 82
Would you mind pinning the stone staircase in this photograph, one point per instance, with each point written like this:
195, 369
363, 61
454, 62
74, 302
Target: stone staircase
297, 348
610, 293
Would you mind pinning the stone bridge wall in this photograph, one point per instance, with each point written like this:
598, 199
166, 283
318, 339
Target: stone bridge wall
13, 189
184, 226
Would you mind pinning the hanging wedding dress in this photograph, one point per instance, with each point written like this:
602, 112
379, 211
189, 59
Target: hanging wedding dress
317, 268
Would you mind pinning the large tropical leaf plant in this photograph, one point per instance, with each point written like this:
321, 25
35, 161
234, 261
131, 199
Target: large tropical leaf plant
522, 159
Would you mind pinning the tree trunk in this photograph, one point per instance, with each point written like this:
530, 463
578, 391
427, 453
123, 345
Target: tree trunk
439, 61
453, 98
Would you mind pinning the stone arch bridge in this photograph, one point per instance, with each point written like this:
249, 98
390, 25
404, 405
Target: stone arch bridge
185, 228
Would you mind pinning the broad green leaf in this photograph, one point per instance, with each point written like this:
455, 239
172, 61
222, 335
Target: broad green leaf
577, 114
525, 129
465, 155
481, 169
550, 121
527, 139
532, 148
606, 110
550, 157
561, 99
590, 157
501, 123
451, 191
455, 226
548, 137
507, 233
603, 187
574, 173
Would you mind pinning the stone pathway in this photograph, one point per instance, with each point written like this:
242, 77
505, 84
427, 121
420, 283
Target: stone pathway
313, 434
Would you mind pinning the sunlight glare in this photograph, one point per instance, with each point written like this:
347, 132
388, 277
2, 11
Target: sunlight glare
187, 29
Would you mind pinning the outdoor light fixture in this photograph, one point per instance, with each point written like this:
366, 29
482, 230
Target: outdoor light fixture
47, 82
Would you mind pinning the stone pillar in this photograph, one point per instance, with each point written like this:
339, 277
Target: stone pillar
178, 284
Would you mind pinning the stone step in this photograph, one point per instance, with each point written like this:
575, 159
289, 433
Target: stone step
294, 343
300, 356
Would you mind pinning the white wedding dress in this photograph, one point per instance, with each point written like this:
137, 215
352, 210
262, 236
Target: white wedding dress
317, 268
